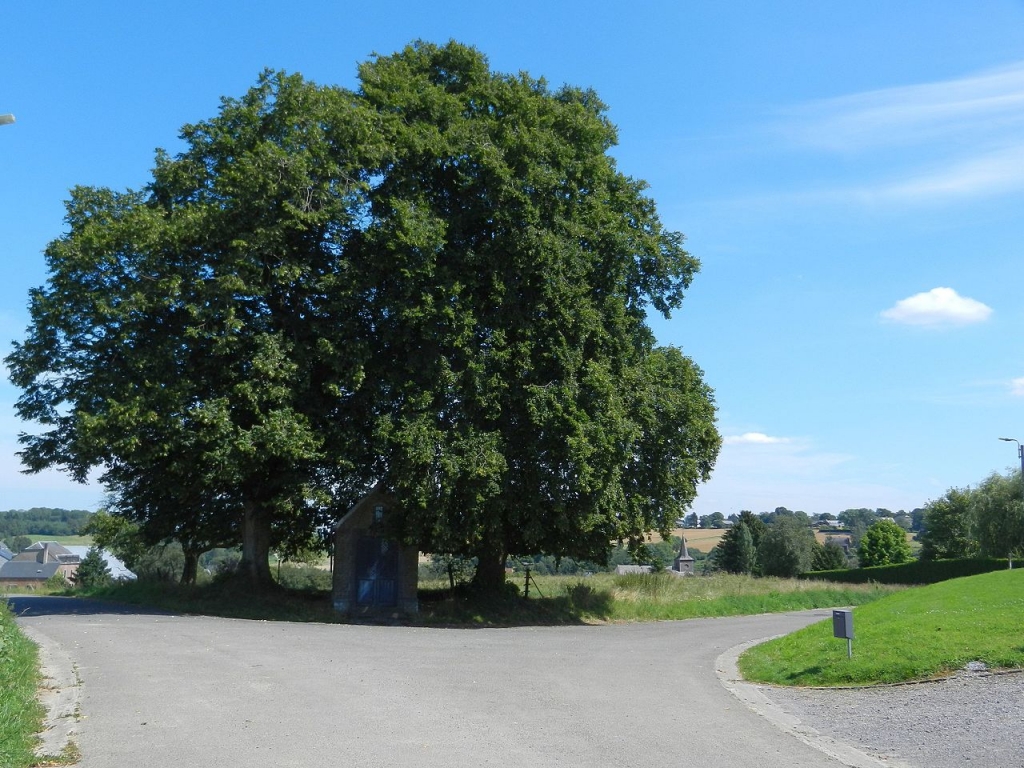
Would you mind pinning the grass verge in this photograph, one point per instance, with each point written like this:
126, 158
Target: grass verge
920, 633
21, 715
553, 600
660, 597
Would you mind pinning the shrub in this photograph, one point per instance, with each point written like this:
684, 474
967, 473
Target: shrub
304, 577
915, 572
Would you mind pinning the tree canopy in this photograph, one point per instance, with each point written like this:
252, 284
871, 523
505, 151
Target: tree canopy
947, 527
438, 282
737, 551
787, 547
884, 543
998, 516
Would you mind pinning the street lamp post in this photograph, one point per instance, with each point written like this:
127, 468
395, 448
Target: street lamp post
6, 119
1020, 453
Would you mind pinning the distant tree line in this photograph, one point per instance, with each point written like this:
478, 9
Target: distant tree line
19, 526
782, 543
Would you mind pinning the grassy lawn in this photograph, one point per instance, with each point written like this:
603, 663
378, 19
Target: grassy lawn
918, 633
21, 716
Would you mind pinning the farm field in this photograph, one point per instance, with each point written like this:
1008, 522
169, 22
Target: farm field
74, 541
704, 539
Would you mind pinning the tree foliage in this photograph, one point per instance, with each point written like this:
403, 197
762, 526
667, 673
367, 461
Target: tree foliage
439, 281
947, 527
119, 536
857, 521
998, 515
787, 547
829, 556
714, 520
531, 412
884, 543
737, 551
92, 571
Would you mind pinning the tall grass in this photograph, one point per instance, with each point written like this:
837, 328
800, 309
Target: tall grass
663, 596
922, 632
553, 599
21, 715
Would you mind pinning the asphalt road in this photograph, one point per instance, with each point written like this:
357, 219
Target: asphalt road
164, 690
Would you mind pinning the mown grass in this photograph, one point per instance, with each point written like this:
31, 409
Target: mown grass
919, 633
21, 715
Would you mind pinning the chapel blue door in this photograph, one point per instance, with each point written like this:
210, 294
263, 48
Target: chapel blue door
376, 572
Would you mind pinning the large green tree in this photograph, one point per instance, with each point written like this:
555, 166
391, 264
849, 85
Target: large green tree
947, 527
884, 543
786, 548
829, 556
524, 406
93, 571
439, 282
737, 551
188, 339
998, 513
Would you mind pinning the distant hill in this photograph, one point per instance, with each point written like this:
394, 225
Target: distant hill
41, 521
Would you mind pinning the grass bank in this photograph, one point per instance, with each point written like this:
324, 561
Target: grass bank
663, 597
553, 600
21, 715
919, 633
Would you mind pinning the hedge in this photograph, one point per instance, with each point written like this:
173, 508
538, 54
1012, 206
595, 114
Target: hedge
916, 572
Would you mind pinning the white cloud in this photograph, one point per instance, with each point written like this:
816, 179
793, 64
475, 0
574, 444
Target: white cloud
753, 438
1017, 387
922, 143
975, 106
993, 172
938, 307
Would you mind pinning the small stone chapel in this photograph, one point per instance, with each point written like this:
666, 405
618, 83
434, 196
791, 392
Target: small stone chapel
373, 575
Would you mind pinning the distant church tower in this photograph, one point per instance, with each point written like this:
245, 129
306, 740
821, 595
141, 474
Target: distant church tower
683, 564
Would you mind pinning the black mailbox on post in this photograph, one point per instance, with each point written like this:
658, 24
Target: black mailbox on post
842, 624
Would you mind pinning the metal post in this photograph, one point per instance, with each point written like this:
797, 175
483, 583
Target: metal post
1020, 455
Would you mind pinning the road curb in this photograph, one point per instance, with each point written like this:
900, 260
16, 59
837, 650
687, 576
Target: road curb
60, 694
754, 698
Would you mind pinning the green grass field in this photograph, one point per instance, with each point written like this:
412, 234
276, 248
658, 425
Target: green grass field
75, 541
918, 633
21, 716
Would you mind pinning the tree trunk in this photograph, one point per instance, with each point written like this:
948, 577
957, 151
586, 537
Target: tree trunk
490, 569
191, 569
255, 564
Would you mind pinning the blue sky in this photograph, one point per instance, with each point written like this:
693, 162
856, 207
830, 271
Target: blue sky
851, 177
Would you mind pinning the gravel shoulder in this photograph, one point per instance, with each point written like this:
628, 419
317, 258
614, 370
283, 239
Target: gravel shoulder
967, 719
970, 718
